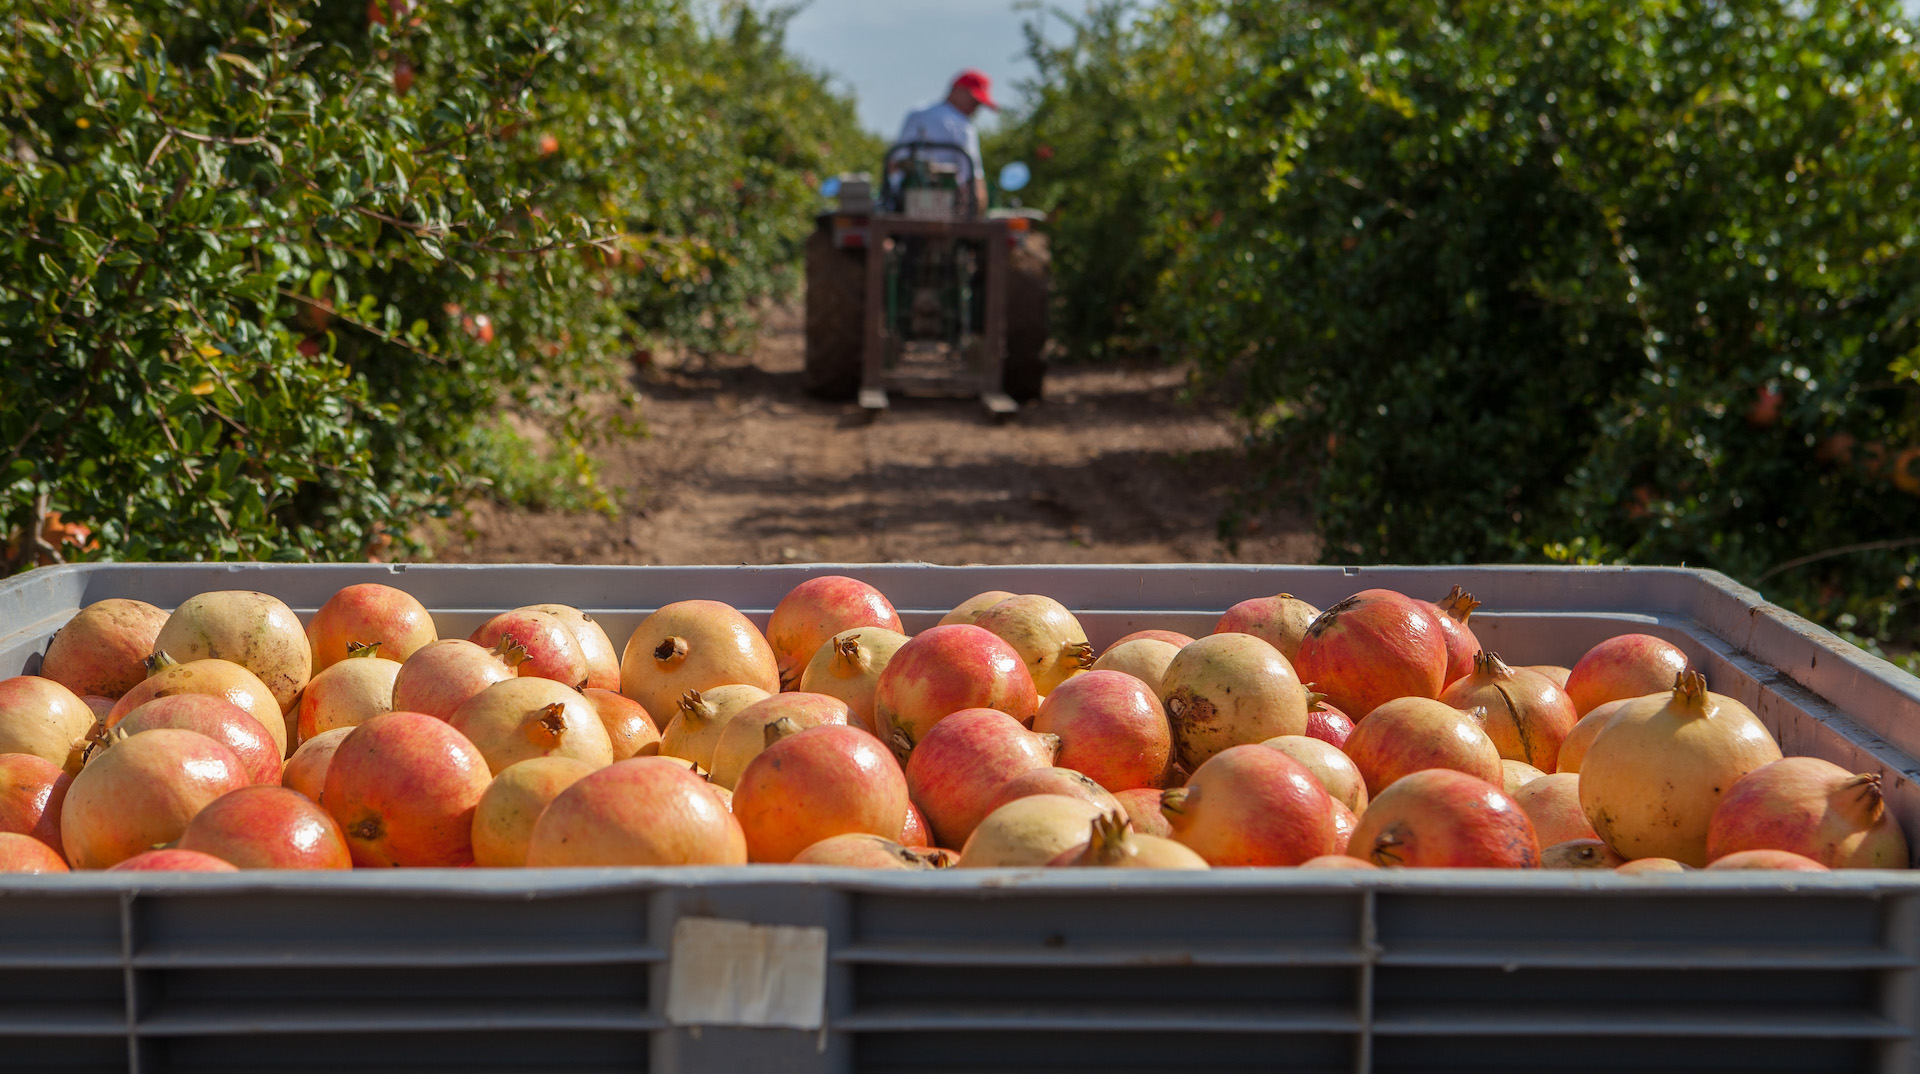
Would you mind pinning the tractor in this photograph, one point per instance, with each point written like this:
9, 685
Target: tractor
913, 288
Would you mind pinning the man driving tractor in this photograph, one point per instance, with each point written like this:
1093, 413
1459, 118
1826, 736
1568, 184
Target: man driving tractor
945, 126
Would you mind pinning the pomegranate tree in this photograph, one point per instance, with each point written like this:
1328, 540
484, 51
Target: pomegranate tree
1047, 637
1443, 818
1410, 734
1111, 727
964, 761
1250, 805
1374, 646
403, 787
848, 667
369, 614
1229, 690
103, 649
818, 610
1280, 620
1813, 808
943, 671
694, 645
1522, 711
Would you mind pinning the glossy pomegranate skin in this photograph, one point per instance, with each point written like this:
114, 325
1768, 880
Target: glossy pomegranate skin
1442, 818
1374, 646
955, 773
403, 788
942, 671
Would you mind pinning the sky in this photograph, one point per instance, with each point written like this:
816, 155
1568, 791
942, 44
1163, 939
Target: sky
899, 54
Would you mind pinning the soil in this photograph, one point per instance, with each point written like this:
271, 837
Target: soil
1115, 465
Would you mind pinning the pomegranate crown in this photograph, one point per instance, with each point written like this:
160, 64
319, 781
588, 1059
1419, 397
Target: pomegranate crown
159, 662
1077, 654
547, 725
779, 729
847, 648
1458, 603
509, 649
1871, 796
1489, 663
1109, 839
695, 706
671, 650
359, 650
1315, 699
1690, 688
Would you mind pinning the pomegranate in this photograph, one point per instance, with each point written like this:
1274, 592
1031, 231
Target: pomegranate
1517, 774
503, 821
1111, 727
441, 676
1574, 748
695, 732
221, 678
1028, 832
1280, 621
818, 610
1230, 690
1142, 806
552, 650
347, 694
306, 770
1414, 733
743, 737
1452, 612
967, 611
403, 787
1046, 635
216, 718
1337, 861
1525, 715
1145, 659
1580, 854
1651, 866
1553, 804
521, 719
369, 614
140, 792
1814, 808
43, 718
646, 811
1251, 805
1374, 646
915, 833
25, 854
173, 861
1785, 860
629, 729
858, 850
1334, 769
943, 671
268, 828
254, 630
101, 707
1443, 818
1061, 781
32, 790
1171, 637
965, 760
1326, 723
1650, 783
812, 783
1554, 673
1113, 844
603, 663
103, 649
694, 645
848, 667
1621, 668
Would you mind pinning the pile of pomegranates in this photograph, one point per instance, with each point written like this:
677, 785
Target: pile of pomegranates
1378, 732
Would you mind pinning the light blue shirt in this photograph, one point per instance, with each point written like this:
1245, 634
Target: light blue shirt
942, 122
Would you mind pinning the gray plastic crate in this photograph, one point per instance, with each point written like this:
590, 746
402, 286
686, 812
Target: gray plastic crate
1065, 970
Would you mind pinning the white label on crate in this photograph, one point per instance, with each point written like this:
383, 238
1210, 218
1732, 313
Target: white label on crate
731, 973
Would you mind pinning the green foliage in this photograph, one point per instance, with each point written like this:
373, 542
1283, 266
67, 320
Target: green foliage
1565, 279
273, 275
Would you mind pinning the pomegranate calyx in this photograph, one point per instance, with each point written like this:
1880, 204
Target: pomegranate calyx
1690, 690
547, 725
1315, 699
510, 651
1458, 603
695, 707
368, 828
1386, 849
358, 650
1490, 665
1871, 799
1173, 800
1077, 654
159, 662
671, 651
1110, 840
779, 729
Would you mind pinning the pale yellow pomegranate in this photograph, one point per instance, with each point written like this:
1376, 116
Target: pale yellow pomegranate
744, 736
1028, 832
701, 717
221, 678
969, 610
1337, 773
347, 693
1650, 783
523, 718
257, 631
503, 821
1145, 659
848, 667
43, 718
1517, 774
1113, 844
694, 645
1047, 637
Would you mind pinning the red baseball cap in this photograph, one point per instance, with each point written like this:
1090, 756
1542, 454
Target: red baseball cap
974, 81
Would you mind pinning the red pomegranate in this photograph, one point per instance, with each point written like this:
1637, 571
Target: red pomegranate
140, 792
1111, 727
1553, 804
403, 788
1326, 723
848, 667
1280, 621
503, 821
745, 735
255, 630
812, 783
369, 614
1113, 844
1142, 806
1250, 805
943, 671
646, 811
630, 730
1229, 690
25, 854
969, 610
268, 828
1524, 713
1622, 668
817, 610
1813, 808
694, 645
347, 694
221, 678
103, 650
1047, 637
552, 650
306, 770
1375, 646
1443, 818
955, 773
1170, 637
173, 861
43, 718
1414, 733
442, 675
915, 832
216, 718
1452, 612
1145, 659
521, 719
32, 790
1062, 781
1573, 749
859, 850
603, 662
1784, 860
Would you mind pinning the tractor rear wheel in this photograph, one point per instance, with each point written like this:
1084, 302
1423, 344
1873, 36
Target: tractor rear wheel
1029, 276
836, 328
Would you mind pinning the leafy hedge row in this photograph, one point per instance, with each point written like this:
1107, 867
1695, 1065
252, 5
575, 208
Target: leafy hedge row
273, 274
1570, 280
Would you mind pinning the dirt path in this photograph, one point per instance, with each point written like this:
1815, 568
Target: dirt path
742, 467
